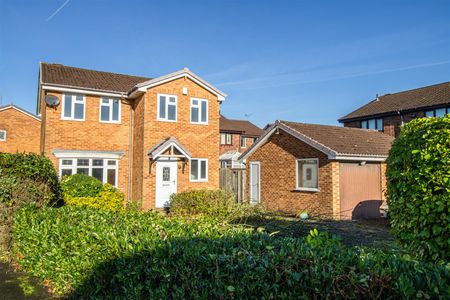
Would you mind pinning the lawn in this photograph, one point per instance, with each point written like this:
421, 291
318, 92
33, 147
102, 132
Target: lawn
368, 233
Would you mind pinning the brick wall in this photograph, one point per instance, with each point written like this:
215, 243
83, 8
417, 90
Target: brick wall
90, 134
201, 140
277, 159
235, 144
22, 131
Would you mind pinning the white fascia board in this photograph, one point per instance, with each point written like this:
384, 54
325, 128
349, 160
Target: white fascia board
142, 87
167, 147
358, 158
20, 110
82, 91
88, 154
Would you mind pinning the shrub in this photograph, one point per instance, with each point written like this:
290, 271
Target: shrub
109, 198
34, 167
418, 174
216, 204
91, 254
80, 185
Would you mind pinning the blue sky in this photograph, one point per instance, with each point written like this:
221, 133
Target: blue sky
306, 61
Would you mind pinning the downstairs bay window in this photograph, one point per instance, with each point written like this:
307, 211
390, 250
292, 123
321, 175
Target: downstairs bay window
105, 170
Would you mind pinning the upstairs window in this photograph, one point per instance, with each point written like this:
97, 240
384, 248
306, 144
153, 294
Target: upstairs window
199, 169
199, 111
308, 174
243, 141
73, 107
374, 124
110, 110
439, 112
167, 108
2, 135
225, 138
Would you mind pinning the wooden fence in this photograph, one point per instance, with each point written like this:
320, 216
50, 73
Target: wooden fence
234, 180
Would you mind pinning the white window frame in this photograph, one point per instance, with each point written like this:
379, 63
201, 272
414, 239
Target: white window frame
199, 170
199, 106
227, 135
297, 187
244, 140
166, 119
110, 105
73, 167
4, 135
72, 109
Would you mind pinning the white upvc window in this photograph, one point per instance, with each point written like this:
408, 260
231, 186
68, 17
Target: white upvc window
243, 141
73, 107
225, 138
307, 174
105, 170
167, 108
2, 135
199, 169
199, 111
110, 110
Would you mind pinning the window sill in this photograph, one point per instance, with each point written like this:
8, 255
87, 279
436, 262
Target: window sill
110, 122
199, 123
312, 190
76, 120
170, 121
201, 180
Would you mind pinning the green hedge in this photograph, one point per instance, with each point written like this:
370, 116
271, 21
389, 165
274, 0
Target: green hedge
80, 185
93, 254
217, 204
418, 190
34, 167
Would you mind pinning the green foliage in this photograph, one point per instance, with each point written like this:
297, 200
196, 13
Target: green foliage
418, 174
80, 185
216, 204
30, 166
109, 198
93, 254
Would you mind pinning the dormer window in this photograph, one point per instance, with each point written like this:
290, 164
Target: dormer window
73, 107
167, 108
110, 110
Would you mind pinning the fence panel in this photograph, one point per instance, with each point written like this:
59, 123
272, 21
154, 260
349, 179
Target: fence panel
233, 180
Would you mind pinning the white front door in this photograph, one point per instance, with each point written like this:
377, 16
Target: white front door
255, 182
166, 182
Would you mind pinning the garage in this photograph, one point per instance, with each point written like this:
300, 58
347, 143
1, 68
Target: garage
360, 190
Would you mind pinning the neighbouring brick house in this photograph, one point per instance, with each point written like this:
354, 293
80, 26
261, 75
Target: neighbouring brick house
149, 137
235, 137
388, 112
19, 130
325, 170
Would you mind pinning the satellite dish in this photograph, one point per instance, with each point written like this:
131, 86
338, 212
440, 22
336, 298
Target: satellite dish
51, 100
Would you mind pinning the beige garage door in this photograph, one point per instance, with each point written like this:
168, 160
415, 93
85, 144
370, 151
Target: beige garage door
360, 190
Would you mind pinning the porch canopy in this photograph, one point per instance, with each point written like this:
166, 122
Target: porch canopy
167, 148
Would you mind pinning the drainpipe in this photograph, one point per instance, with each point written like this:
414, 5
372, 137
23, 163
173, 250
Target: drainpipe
130, 155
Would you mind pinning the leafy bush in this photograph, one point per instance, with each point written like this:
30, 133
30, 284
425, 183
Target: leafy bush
80, 185
34, 167
217, 204
418, 174
109, 198
93, 254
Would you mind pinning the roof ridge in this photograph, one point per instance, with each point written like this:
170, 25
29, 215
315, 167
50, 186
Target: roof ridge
334, 126
85, 69
414, 89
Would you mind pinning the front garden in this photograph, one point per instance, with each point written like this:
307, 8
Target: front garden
79, 240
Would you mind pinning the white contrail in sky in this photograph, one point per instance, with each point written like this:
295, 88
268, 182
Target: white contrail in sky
57, 11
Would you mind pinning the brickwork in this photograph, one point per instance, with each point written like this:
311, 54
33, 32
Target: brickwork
277, 159
201, 140
90, 134
22, 131
336, 189
235, 144
383, 181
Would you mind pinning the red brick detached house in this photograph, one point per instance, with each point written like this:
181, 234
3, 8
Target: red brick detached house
236, 136
19, 130
325, 170
387, 113
150, 137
